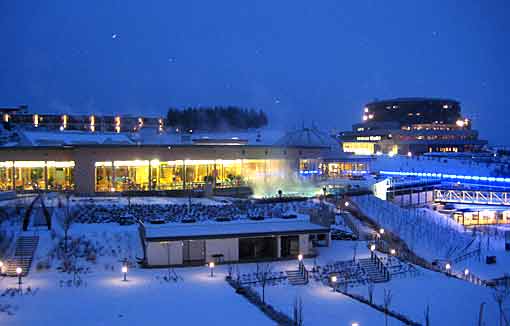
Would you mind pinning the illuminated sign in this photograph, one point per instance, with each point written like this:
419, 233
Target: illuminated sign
368, 138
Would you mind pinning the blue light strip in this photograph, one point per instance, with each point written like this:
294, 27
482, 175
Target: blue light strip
446, 176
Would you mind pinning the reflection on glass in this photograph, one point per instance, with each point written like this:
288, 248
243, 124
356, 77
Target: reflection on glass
6, 176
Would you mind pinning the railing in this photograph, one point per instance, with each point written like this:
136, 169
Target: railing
472, 197
380, 265
476, 252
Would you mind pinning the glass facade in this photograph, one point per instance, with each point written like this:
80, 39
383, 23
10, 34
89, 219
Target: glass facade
6, 176
167, 175
184, 174
131, 175
485, 217
60, 175
36, 175
343, 169
29, 175
104, 176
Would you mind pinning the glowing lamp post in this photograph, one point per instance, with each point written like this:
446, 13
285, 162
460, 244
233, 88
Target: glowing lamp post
381, 231
466, 272
346, 204
372, 247
211, 267
393, 252
448, 267
19, 270
300, 261
334, 279
124, 271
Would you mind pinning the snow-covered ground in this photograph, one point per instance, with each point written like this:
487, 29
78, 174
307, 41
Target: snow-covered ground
451, 301
427, 233
146, 298
433, 236
491, 243
104, 299
142, 300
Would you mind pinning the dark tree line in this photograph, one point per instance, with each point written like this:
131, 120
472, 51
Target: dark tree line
216, 118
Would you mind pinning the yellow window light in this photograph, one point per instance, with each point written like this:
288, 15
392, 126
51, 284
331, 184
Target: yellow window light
107, 163
6, 164
60, 164
29, 164
131, 163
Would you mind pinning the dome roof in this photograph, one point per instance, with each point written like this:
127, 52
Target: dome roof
310, 137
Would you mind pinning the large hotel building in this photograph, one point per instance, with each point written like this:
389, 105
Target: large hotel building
411, 126
105, 154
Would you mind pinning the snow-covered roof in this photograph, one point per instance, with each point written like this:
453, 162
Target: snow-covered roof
310, 137
265, 137
176, 231
57, 138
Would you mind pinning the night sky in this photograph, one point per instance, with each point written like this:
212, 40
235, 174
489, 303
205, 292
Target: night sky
311, 61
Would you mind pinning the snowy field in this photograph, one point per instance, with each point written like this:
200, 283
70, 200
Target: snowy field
451, 301
104, 299
147, 299
492, 244
427, 233
142, 300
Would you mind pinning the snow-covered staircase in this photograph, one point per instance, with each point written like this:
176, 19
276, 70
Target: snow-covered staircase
23, 255
298, 277
374, 271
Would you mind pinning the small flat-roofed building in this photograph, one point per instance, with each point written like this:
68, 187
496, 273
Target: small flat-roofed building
236, 241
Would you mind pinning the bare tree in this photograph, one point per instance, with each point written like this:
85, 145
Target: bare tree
297, 312
263, 275
387, 302
480, 315
370, 288
500, 296
70, 216
427, 316
354, 251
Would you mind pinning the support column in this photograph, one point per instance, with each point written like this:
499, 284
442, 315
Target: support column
278, 246
45, 175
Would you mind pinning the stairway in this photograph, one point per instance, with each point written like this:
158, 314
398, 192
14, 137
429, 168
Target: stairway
297, 277
374, 274
23, 255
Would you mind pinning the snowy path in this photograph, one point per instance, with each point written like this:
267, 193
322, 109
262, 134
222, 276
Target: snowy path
143, 300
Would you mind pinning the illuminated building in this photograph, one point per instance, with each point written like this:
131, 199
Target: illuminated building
411, 126
103, 162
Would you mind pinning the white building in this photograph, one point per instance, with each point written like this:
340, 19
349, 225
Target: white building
238, 241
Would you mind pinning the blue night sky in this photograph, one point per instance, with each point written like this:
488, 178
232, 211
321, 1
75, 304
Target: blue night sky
297, 60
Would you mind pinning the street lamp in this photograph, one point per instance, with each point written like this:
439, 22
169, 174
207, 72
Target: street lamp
381, 231
346, 204
300, 257
211, 267
124, 271
19, 270
372, 247
334, 279
466, 272
393, 252
448, 267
